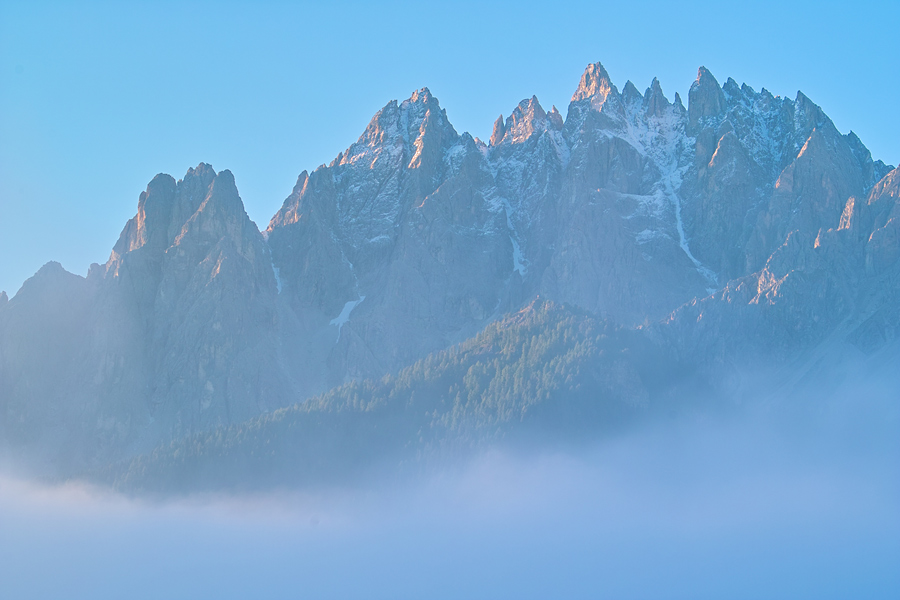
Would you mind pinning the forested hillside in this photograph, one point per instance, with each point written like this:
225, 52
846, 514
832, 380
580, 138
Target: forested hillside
546, 371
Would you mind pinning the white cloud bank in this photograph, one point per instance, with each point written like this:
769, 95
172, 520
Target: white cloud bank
689, 509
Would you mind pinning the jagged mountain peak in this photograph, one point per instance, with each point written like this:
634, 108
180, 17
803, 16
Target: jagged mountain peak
383, 128
526, 119
405, 146
731, 88
152, 222
166, 209
595, 85
810, 115
705, 98
874, 170
654, 101
704, 77
422, 95
555, 118
499, 131
301, 180
421, 105
400, 127
630, 93
223, 196
202, 170
289, 211
596, 103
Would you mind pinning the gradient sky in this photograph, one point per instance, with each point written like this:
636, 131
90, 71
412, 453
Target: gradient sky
97, 98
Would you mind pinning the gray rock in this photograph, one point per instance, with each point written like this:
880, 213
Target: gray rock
705, 100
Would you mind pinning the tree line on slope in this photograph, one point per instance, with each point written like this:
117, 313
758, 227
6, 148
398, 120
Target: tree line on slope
549, 372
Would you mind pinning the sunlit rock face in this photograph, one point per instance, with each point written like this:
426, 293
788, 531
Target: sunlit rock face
743, 224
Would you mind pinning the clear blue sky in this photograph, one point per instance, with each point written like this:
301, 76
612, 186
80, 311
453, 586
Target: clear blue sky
97, 98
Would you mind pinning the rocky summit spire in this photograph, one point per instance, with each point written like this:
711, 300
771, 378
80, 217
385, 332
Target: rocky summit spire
527, 118
422, 110
150, 226
556, 120
655, 102
706, 98
808, 113
595, 85
421, 96
630, 93
499, 131
731, 88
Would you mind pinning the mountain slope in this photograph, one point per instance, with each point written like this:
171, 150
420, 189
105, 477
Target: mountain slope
546, 371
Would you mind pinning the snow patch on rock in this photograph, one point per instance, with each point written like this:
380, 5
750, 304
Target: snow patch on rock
345, 314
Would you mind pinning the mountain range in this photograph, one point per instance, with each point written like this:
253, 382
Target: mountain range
727, 248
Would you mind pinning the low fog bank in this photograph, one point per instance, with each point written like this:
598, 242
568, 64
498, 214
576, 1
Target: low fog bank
693, 507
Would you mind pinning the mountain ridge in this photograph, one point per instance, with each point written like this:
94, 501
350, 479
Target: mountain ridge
415, 238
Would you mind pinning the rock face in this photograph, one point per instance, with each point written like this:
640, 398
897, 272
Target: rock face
400, 238
173, 335
762, 167
195, 274
751, 212
815, 302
